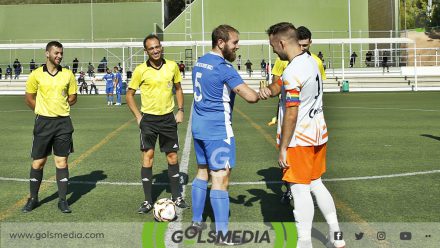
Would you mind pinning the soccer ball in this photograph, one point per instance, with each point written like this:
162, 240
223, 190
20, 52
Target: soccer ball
164, 210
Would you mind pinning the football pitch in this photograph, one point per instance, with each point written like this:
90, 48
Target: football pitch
382, 162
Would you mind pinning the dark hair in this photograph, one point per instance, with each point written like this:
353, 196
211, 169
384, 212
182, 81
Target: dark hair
303, 33
149, 37
285, 28
222, 32
53, 43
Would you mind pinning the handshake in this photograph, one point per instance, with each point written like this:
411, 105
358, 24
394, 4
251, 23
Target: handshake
264, 92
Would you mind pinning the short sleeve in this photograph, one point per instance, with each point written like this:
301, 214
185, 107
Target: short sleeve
230, 76
292, 86
135, 79
31, 84
177, 75
73, 86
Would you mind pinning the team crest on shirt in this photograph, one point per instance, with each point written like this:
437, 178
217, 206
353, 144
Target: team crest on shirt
170, 84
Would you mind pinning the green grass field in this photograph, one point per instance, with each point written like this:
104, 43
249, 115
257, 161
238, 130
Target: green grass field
371, 134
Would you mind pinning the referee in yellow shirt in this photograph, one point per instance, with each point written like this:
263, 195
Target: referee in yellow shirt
155, 78
50, 91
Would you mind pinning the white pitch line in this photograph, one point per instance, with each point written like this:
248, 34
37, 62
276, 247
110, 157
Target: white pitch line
400, 109
177, 225
28, 110
236, 183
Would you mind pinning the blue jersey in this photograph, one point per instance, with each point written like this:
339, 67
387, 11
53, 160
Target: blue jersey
119, 77
109, 79
213, 80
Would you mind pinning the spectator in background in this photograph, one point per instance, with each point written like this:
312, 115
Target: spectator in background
103, 65
93, 85
75, 65
90, 70
119, 67
17, 69
182, 68
1, 73
263, 68
239, 62
249, 67
82, 83
353, 59
8, 72
368, 59
32, 65
385, 63
321, 56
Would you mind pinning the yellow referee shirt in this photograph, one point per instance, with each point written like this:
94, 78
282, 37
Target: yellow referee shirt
156, 86
52, 91
280, 65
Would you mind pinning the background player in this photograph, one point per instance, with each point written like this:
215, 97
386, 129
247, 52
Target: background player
50, 91
303, 134
118, 84
215, 84
109, 86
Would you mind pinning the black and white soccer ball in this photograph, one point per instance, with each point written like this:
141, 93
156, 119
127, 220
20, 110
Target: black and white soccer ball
164, 210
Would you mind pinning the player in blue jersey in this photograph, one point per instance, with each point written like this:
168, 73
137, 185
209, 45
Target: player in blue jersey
215, 84
109, 86
118, 83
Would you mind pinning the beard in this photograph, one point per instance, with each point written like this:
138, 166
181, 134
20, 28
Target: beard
228, 54
283, 56
54, 61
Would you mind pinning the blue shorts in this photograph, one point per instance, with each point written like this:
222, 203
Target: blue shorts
109, 90
217, 154
118, 90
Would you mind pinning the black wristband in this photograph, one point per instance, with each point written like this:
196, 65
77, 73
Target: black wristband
180, 109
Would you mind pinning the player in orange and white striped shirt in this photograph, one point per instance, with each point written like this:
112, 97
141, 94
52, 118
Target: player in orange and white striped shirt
303, 134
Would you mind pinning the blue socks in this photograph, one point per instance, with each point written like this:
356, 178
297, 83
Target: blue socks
220, 205
198, 198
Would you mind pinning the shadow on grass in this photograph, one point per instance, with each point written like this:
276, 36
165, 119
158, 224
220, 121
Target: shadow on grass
79, 186
431, 136
161, 184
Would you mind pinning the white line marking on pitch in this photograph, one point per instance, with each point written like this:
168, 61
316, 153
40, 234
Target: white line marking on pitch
369, 108
73, 109
237, 183
177, 225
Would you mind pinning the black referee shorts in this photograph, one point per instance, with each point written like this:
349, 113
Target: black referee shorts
52, 133
164, 126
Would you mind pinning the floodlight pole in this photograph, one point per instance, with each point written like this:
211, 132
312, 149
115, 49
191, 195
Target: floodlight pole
203, 28
415, 67
163, 14
343, 69
349, 23
91, 18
